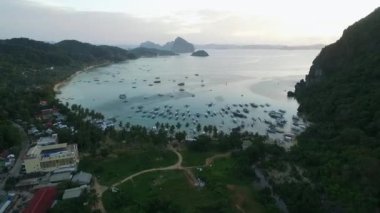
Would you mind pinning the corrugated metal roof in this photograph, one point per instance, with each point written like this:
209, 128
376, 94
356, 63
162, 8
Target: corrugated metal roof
60, 177
82, 178
42, 200
73, 193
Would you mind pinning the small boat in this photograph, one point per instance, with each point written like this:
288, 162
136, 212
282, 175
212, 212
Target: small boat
122, 96
253, 105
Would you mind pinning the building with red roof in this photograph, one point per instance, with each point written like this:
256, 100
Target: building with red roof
42, 200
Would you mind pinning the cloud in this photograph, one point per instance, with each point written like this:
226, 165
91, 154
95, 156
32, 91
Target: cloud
264, 24
25, 19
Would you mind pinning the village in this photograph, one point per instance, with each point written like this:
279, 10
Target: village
30, 179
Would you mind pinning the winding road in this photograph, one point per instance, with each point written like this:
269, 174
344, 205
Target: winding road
177, 166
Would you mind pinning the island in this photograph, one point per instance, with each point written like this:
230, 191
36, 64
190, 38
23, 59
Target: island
179, 45
200, 53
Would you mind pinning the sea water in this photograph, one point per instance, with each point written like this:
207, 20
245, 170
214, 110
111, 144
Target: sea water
196, 90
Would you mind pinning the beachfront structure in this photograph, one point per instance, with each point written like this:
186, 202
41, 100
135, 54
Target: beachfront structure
51, 157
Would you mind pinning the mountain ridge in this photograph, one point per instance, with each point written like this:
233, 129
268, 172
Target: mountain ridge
340, 149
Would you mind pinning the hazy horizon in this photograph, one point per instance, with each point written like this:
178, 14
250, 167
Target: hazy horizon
118, 22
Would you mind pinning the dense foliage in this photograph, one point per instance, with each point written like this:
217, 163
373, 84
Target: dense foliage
341, 96
29, 69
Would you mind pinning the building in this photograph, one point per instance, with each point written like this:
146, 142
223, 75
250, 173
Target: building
59, 177
42, 200
82, 178
43, 141
51, 157
73, 192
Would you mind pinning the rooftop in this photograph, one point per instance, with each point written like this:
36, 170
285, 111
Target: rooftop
73, 193
49, 150
82, 178
42, 200
60, 177
48, 140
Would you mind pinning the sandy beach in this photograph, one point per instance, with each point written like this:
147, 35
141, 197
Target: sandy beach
60, 84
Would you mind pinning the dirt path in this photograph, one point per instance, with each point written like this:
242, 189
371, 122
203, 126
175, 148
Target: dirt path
99, 191
211, 159
177, 166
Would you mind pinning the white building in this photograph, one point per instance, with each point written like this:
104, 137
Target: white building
47, 158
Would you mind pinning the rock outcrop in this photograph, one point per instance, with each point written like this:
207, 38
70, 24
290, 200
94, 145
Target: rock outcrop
200, 53
179, 45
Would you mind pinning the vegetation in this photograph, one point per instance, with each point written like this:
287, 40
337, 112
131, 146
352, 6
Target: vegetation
124, 163
341, 150
166, 192
9, 135
29, 69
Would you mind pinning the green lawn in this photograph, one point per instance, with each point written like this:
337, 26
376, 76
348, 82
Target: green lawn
221, 175
115, 168
171, 191
191, 158
170, 187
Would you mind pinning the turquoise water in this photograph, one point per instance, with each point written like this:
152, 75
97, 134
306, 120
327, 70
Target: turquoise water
228, 79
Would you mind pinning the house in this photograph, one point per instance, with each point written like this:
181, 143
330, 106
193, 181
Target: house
82, 178
42, 200
74, 192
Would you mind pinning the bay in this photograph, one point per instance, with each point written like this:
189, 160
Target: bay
213, 88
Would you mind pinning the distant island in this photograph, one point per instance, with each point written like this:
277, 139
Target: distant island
151, 52
200, 53
179, 45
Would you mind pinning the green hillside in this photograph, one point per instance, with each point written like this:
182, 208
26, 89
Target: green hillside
341, 97
29, 69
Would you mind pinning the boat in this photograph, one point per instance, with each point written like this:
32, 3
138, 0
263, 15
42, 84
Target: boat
253, 105
275, 114
122, 96
181, 84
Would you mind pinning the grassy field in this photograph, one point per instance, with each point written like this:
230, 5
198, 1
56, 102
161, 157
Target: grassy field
222, 176
195, 158
116, 167
224, 192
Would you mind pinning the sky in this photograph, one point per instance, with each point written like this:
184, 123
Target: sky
288, 22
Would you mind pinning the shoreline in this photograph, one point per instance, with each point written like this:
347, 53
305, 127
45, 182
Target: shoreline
60, 84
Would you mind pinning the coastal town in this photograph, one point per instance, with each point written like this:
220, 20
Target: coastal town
45, 172
30, 177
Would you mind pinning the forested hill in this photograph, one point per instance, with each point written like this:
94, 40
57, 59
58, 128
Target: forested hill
29, 69
27, 52
341, 96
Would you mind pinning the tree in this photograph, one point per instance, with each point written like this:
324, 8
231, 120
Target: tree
199, 127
